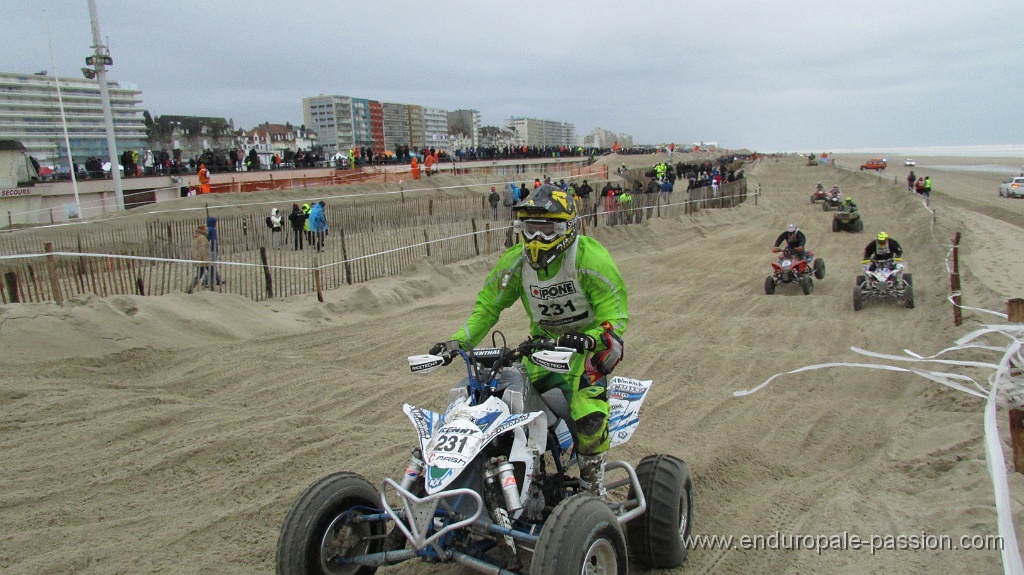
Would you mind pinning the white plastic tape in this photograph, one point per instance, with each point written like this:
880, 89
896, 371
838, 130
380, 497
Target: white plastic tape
1005, 386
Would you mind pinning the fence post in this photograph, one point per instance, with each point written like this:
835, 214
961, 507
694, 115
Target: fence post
11, 279
266, 272
344, 258
954, 282
476, 242
426, 241
316, 278
1015, 314
51, 271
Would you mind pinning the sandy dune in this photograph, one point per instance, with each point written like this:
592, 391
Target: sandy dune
170, 435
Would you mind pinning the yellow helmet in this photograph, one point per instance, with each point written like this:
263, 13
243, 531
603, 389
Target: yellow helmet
882, 236
546, 219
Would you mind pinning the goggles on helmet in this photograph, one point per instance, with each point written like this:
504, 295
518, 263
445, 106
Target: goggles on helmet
546, 230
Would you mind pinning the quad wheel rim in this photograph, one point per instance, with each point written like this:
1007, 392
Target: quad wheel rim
600, 559
684, 517
338, 541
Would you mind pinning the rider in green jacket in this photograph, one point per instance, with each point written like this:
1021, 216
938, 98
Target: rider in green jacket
572, 292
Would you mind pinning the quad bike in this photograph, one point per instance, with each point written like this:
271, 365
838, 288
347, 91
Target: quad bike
791, 267
490, 486
889, 279
819, 194
832, 202
847, 220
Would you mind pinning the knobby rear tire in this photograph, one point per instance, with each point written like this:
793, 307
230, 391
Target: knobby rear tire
658, 538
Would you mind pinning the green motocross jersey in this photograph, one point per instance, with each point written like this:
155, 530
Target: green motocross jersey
579, 291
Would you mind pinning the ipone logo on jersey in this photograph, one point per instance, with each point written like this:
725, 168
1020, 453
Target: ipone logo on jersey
553, 291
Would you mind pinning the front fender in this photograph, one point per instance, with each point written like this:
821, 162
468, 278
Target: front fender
450, 443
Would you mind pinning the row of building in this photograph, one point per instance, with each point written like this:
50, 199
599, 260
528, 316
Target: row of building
36, 108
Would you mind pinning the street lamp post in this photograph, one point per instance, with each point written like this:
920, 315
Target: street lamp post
100, 60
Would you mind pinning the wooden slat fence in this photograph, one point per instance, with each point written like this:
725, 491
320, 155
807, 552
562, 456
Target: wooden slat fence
366, 241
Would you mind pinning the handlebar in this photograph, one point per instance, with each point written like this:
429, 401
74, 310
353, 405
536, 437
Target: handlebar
484, 364
494, 358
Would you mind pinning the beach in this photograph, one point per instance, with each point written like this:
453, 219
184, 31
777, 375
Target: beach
171, 434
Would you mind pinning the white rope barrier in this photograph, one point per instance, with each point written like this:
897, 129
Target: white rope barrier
1005, 387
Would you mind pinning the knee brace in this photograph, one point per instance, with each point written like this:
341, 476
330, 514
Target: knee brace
589, 409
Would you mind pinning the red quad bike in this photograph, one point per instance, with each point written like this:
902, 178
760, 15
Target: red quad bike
791, 267
818, 195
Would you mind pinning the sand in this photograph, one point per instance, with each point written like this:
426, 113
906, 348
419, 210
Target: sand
171, 434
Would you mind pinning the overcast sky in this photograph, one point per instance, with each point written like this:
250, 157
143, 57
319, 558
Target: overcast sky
768, 76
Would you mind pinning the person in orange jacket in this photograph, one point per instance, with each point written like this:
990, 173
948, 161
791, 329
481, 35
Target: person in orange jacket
204, 179
414, 166
429, 160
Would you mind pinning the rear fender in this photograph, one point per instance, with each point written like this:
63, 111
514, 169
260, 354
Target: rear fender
625, 396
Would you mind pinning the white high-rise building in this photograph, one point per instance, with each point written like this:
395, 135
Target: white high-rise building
435, 129
331, 118
30, 113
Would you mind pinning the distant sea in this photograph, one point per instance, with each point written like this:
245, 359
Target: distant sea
953, 158
997, 151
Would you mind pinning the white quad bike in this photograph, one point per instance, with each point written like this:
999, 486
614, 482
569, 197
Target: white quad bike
490, 486
889, 279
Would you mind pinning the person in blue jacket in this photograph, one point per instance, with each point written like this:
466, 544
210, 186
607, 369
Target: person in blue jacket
211, 226
318, 225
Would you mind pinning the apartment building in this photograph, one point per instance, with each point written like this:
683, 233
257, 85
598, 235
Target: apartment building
417, 132
368, 124
332, 118
396, 126
30, 113
467, 124
435, 129
541, 133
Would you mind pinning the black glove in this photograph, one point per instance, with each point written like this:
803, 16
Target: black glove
442, 349
580, 342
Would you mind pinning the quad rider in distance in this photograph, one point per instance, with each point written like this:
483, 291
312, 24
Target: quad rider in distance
795, 241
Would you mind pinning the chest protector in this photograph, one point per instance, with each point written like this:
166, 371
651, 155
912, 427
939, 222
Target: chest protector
558, 304
882, 252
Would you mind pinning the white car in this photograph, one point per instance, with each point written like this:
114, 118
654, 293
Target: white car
909, 163
1012, 188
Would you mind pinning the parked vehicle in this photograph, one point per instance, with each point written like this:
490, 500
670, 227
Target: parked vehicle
874, 164
910, 163
1012, 187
